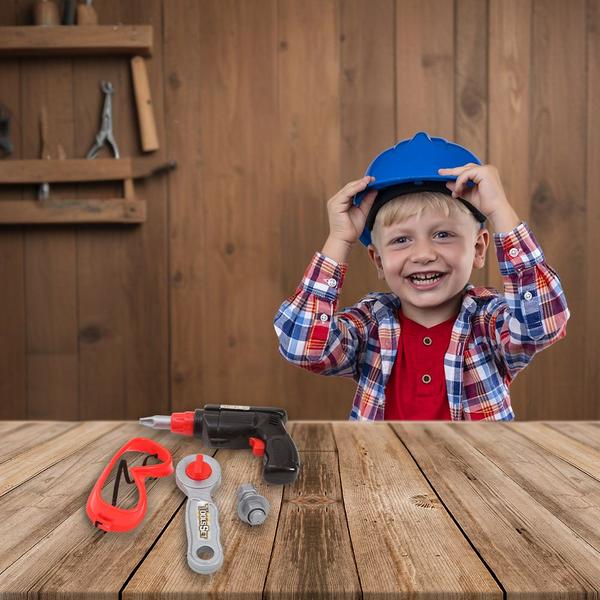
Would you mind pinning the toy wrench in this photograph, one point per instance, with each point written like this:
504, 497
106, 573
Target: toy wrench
197, 476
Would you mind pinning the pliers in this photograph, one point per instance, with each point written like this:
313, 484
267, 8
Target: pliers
106, 130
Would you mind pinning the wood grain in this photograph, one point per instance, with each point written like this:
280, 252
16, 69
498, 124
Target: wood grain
557, 191
13, 316
269, 109
50, 252
501, 519
420, 509
419, 548
75, 41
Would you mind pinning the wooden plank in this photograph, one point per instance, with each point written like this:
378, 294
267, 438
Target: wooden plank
586, 432
557, 189
246, 549
50, 278
104, 304
224, 207
124, 350
25, 434
75, 41
73, 169
312, 536
307, 173
367, 127
37, 506
36, 459
425, 65
591, 341
13, 360
69, 210
146, 250
503, 522
509, 135
183, 37
580, 455
556, 484
311, 436
419, 547
74, 557
471, 98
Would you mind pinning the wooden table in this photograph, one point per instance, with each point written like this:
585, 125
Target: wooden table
408, 509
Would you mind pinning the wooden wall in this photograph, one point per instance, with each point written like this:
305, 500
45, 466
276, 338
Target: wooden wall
269, 107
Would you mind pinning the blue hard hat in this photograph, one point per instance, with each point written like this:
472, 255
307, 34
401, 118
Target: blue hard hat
412, 166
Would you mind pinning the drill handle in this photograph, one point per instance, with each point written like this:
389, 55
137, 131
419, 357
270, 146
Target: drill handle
281, 461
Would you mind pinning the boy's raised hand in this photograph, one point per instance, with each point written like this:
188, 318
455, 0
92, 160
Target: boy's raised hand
487, 194
346, 221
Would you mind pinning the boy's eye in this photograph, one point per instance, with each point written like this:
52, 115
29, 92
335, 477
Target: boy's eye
447, 234
399, 239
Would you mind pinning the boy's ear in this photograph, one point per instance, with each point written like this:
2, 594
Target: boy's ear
482, 241
376, 259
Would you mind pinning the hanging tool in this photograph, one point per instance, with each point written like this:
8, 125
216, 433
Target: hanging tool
5, 143
224, 426
198, 476
69, 12
44, 188
86, 14
105, 135
143, 101
45, 12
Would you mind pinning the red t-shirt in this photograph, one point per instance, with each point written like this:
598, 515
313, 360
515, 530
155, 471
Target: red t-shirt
416, 389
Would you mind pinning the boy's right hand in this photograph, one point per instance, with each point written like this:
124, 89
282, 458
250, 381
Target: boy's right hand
346, 221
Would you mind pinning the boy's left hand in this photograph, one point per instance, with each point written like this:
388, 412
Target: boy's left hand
487, 194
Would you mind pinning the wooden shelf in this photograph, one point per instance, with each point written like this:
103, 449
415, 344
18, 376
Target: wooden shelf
75, 40
113, 210
78, 170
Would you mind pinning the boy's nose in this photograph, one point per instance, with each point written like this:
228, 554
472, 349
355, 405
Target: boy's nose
423, 251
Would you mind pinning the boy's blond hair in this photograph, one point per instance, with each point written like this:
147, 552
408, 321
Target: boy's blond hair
403, 207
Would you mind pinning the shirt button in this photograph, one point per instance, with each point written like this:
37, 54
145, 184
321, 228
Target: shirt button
514, 252
426, 378
528, 295
427, 341
324, 317
331, 282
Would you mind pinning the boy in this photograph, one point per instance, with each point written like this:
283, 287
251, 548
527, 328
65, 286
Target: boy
436, 347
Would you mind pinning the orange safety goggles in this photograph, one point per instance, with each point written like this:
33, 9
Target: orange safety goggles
108, 516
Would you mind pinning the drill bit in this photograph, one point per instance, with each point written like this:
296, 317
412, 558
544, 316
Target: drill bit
156, 422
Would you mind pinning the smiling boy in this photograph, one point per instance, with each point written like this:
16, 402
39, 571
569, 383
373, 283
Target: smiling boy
435, 347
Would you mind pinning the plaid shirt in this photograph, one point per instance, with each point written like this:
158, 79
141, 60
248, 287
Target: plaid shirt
493, 338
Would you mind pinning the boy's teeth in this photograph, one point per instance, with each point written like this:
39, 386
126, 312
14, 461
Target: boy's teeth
426, 277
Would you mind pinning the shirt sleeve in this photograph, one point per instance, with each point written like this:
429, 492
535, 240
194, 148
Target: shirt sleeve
311, 334
533, 312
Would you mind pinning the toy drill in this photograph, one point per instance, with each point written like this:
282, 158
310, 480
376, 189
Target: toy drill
261, 428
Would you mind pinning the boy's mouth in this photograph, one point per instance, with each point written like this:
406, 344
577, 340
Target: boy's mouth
425, 281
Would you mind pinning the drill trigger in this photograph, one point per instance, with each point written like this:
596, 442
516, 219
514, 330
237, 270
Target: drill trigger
258, 446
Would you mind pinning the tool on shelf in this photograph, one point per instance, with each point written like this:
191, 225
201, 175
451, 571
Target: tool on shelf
45, 12
143, 100
261, 428
69, 12
198, 476
105, 135
44, 188
86, 14
5, 143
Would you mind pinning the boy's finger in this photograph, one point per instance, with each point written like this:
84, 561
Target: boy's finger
367, 203
364, 181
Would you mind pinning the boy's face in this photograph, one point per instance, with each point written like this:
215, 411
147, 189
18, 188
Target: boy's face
434, 243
